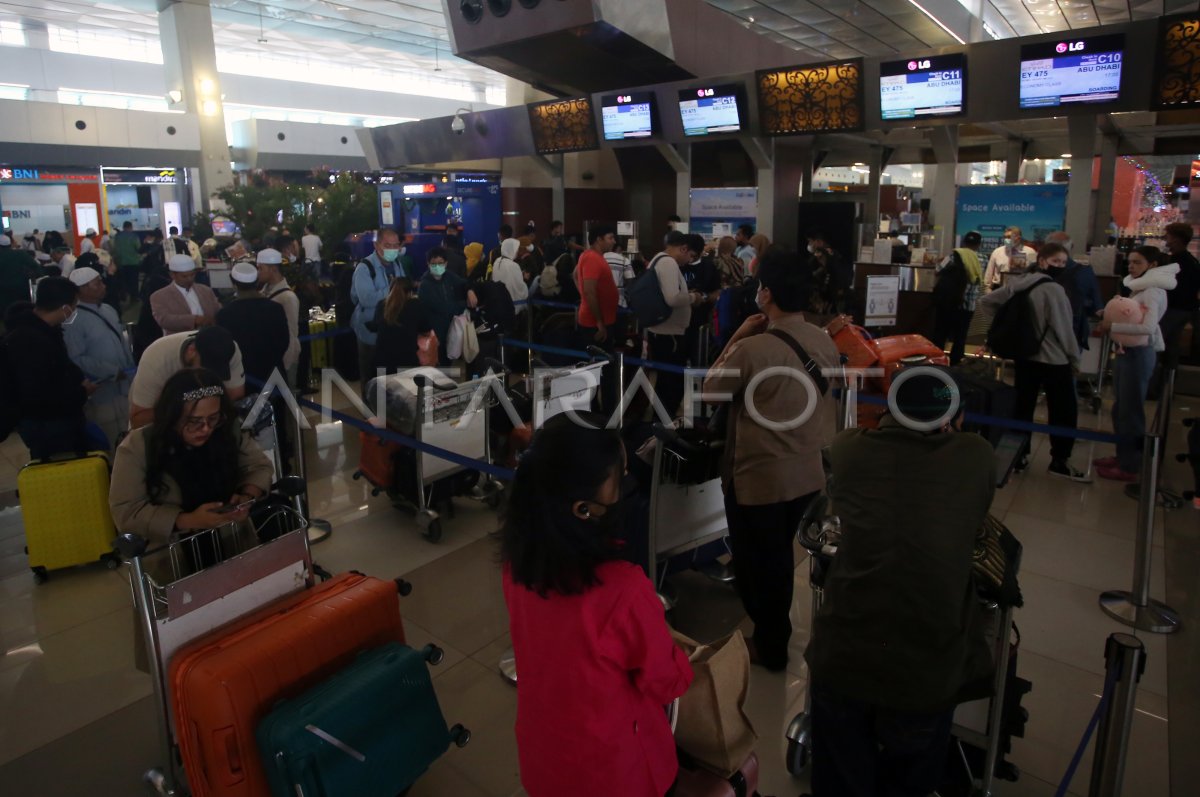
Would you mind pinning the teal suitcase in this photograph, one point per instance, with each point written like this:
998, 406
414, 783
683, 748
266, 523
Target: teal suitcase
369, 731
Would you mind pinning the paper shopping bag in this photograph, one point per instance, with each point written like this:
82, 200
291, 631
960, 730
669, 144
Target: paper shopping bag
713, 727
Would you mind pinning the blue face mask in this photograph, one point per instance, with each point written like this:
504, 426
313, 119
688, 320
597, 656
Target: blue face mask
391, 255
437, 269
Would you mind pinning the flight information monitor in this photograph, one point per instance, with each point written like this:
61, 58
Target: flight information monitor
922, 87
1070, 72
711, 109
627, 116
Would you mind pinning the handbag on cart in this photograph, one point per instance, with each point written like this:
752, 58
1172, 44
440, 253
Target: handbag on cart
997, 558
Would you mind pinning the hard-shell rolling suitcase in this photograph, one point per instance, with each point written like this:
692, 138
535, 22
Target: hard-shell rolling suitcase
225, 684
985, 395
369, 731
377, 462
321, 348
64, 506
702, 783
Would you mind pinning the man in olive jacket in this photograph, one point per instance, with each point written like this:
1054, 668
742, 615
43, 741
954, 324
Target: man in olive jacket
899, 640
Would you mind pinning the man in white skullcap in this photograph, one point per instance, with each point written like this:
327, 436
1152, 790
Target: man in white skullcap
96, 343
183, 305
276, 288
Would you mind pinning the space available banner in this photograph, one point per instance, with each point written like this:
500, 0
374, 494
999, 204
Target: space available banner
732, 206
1038, 210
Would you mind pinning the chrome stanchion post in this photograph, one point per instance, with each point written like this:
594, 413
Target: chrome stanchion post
318, 529
620, 389
1125, 661
529, 335
1136, 608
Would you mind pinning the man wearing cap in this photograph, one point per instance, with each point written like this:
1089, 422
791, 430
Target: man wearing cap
899, 639
276, 288
372, 279
96, 344
258, 324
87, 244
211, 347
183, 305
17, 269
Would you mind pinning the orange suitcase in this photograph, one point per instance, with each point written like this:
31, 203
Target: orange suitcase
224, 684
377, 462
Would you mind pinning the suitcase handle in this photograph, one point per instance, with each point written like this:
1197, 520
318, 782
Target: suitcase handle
225, 745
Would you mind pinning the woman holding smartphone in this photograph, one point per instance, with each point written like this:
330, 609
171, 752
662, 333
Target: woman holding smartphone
192, 468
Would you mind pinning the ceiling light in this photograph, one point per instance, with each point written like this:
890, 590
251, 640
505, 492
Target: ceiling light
937, 21
209, 107
1065, 155
207, 86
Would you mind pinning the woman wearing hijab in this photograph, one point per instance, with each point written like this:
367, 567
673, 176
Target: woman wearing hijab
760, 243
506, 271
733, 271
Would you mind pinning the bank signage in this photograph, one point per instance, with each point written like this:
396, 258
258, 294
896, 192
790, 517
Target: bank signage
152, 176
33, 174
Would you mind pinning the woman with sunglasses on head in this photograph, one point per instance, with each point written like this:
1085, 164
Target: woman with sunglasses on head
174, 476
595, 657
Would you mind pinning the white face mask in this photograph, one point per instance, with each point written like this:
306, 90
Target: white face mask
811, 249
758, 302
71, 318
529, 248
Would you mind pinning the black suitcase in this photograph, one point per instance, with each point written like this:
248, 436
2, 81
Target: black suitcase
985, 395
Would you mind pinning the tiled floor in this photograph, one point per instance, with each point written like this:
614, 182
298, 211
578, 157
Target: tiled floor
75, 717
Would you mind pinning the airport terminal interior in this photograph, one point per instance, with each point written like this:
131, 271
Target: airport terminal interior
861, 149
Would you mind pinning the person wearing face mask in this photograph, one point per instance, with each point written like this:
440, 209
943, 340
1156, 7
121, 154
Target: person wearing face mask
444, 295
372, 279
1012, 255
96, 344
1053, 366
772, 468
50, 389
1081, 285
579, 614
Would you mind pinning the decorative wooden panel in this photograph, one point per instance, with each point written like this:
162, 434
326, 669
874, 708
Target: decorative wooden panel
1177, 72
811, 99
563, 126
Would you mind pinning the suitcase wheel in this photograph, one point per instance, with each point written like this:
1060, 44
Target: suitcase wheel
433, 654
434, 532
111, 560
460, 735
797, 756
403, 587
40, 576
356, 475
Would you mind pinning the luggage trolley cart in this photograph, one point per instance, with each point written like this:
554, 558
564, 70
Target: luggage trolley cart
194, 602
979, 723
687, 505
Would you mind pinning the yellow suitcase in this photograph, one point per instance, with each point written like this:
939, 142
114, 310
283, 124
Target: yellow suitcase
320, 348
64, 506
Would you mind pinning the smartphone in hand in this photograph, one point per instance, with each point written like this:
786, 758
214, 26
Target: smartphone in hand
226, 509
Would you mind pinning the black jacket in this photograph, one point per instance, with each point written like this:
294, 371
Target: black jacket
260, 328
49, 385
396, 346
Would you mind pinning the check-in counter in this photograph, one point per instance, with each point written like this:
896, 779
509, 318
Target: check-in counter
914, 311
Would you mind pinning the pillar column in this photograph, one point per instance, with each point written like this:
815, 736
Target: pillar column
1081, 132
1098, 234
876, 163
1014, 158
190, 61
945, 188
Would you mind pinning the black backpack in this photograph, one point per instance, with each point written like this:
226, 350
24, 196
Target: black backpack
951, 285
496, 307
1013, 334
645, 297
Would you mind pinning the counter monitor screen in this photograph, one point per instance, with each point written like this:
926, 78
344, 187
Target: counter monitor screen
627, 116
711, 110
922, 87
224, 228
1071, 72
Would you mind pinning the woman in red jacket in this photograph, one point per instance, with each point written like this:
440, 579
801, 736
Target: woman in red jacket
595, 657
